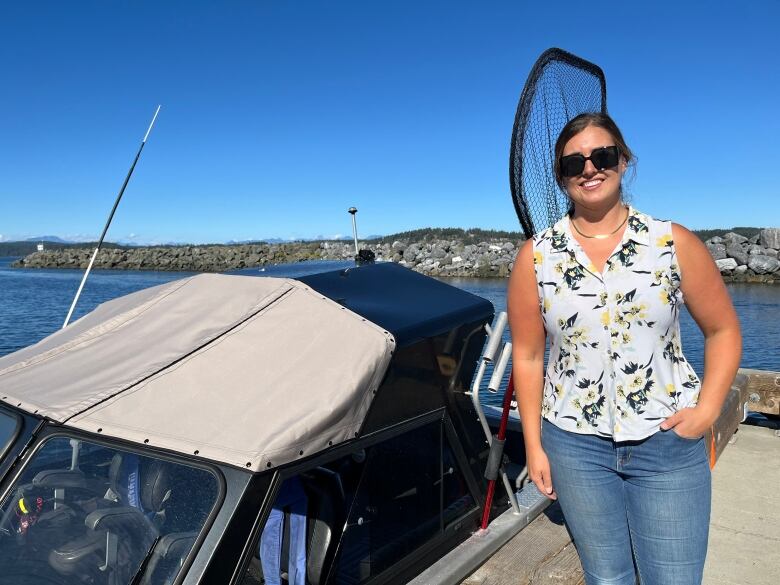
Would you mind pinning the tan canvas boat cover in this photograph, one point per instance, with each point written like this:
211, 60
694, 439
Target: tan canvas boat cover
249, 371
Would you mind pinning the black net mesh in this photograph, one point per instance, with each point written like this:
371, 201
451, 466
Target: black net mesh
559, 87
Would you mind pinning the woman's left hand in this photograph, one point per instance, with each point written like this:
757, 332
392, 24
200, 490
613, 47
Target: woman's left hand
690, 423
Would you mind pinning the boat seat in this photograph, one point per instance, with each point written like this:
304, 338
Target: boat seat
74, 496
325, 520
87, 550
116, 537
60, 478
168, 557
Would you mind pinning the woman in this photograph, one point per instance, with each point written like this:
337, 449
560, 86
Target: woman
614, 428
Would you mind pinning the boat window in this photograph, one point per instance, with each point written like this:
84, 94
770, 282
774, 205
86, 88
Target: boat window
354, 517
8, 425
456, 497
83, 512
410, 492
301, 535
284, 537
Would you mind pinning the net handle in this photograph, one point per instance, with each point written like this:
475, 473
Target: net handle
521, 121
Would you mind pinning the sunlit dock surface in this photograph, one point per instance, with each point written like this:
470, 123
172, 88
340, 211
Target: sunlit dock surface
744, 547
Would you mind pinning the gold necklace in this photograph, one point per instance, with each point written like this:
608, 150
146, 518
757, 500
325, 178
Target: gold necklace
599, 236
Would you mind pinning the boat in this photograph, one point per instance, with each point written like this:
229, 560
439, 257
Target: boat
147, 441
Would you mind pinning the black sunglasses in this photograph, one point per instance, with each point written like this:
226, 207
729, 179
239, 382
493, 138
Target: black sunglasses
605, 157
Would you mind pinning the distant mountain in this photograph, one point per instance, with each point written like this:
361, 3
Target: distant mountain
22, 248
27, 247
242, 242
55, 239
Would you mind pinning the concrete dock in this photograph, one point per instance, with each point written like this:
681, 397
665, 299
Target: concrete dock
744, 546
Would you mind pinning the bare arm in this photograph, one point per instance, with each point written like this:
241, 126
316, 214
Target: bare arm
710, 306
528, 340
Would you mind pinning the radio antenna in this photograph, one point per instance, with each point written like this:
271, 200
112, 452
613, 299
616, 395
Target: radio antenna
110, 217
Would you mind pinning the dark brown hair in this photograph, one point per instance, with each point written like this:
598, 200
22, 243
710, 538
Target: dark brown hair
577, 125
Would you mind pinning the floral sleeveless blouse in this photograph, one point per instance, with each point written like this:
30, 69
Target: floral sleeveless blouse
615, 367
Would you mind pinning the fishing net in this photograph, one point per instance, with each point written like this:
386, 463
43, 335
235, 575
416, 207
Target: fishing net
559, 87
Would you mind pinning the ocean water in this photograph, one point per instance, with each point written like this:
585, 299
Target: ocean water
33, 304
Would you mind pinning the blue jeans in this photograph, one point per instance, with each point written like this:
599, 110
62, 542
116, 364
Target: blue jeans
633, 506
292, 497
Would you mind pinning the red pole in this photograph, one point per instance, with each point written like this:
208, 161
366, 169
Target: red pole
488, 503
510, 390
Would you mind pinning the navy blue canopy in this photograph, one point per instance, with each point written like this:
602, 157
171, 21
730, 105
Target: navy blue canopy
409, 305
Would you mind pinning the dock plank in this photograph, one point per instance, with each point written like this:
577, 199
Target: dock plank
541, 554
563, 568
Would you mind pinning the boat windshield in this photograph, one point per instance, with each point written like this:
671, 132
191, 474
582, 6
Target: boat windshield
84, 512
8, 424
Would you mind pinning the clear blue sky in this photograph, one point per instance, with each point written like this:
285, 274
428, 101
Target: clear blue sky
279, 115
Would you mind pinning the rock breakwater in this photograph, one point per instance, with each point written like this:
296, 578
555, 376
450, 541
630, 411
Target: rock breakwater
742, 259
435, 258
739, 259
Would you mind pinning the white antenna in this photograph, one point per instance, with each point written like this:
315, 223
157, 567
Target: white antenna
110, 217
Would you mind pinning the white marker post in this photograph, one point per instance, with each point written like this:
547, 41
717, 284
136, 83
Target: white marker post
353, 211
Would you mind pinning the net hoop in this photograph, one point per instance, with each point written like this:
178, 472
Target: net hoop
521, 151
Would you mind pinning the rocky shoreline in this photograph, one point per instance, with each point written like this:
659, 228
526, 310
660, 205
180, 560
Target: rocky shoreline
739, 259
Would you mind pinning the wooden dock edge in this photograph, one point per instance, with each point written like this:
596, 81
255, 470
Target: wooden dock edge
752, 390
763, 390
